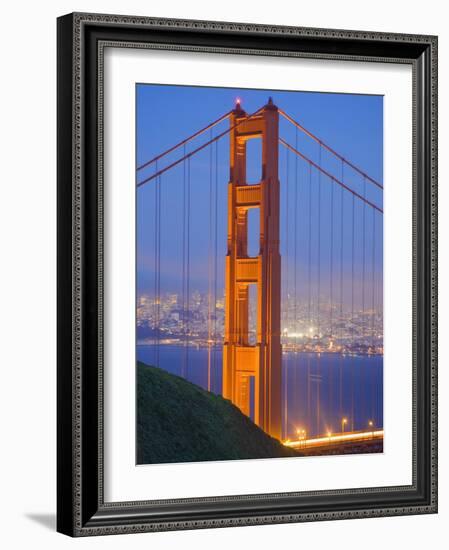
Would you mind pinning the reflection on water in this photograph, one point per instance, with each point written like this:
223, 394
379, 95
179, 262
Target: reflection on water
319, 390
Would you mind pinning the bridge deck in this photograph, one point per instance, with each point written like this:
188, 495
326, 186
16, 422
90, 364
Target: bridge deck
344, 442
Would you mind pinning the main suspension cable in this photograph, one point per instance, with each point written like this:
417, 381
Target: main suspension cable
328, 148
197, 150
184, 141
329, 175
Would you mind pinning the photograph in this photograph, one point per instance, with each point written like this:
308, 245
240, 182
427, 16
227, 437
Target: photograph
259, 273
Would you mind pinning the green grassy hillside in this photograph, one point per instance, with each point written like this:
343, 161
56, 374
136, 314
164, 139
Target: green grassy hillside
179, 422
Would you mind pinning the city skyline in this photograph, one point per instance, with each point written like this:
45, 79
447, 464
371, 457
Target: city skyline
351, 328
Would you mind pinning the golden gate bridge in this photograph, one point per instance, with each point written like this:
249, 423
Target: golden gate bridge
266, 288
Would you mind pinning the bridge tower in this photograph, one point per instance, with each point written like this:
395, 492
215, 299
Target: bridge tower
260, 363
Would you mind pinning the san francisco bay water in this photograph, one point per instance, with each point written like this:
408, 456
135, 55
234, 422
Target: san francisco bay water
319, 390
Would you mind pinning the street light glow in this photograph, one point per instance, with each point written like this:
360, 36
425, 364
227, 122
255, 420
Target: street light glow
336, 438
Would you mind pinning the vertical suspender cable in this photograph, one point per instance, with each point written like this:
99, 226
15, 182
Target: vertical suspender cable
331, 312
159, 269
352, 312
372, 379
184, 235
286, 304
209, 293
216, 253
342, 324
188, 267
156, 267
318, 378
309, 304
295, 253
362, 377
155, 322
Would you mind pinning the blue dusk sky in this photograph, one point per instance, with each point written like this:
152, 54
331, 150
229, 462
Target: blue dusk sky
317, 215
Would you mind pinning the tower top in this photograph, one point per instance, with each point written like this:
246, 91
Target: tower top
238, 106
270, 105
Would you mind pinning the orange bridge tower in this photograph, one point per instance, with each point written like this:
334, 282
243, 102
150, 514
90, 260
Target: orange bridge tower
260, 363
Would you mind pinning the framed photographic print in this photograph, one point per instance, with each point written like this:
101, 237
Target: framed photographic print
246, 274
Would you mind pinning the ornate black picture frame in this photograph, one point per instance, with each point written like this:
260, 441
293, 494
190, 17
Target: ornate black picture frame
81, 510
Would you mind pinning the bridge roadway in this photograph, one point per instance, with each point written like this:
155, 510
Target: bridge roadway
343, 441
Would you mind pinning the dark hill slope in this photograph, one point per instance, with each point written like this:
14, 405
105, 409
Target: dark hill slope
179, 422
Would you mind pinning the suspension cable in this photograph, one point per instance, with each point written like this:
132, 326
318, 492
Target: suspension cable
184, 141
159, 183
342, 197
157, 242
209, 294
329, 175
287, 297
363, 360
372, 311
328, 148
309, 284
216, 253
318, 410
184, 235
198, 149
331, 313
295, 253
155, 301
352, 311
188, 267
